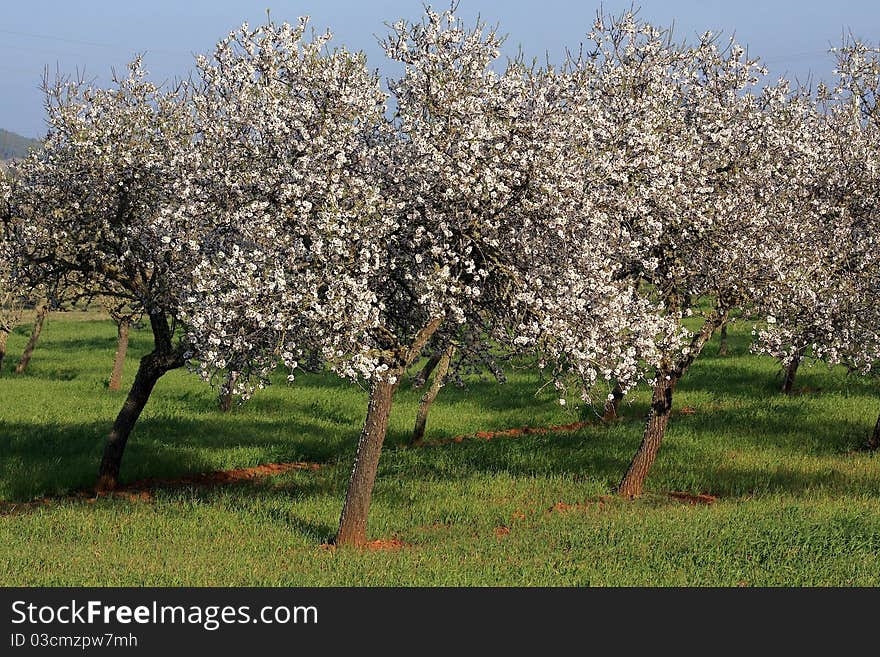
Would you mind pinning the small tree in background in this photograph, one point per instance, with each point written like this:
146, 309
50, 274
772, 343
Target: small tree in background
13, 292
41, 311
124, 316
826, 303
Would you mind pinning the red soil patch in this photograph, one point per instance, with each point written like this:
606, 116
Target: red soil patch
386, 544
692, 499
506, 433
13, 508
379, 545
142, 490
220, 477
563, 507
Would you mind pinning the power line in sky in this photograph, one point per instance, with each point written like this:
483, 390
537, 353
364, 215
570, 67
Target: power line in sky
92, 44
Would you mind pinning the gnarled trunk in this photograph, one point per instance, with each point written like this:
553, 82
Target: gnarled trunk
722, 349
226, 397
874, 440
353, 522
122, 328
655, 428
162, 359
790, 373
612, 405
42, 311
148, 373
4, 336
668, 376
429, 397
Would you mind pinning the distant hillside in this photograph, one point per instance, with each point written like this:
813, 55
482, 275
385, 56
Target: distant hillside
15, 146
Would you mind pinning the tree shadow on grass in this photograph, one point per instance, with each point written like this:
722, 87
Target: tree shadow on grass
320, 418
58, 459
734, 465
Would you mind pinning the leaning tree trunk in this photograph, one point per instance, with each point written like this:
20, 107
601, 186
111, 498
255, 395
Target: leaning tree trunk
422, 376
4, 336
722, 349
148, 373
612, 406
429, 397
668, 377
874, 440
790, 373
353, 522
122, 328
162, 359
42, 311
658, 418
226, 397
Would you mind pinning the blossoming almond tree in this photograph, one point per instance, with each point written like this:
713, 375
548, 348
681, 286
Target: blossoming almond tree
296, 140
826, 300
802, 302
690, 148
425, 229
485, 204
95, 207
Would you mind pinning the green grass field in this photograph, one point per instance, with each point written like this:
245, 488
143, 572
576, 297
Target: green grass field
797, 503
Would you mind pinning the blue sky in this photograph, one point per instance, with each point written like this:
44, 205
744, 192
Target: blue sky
95, 35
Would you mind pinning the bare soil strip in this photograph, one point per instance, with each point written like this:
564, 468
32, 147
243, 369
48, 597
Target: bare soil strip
506, 433
142, 489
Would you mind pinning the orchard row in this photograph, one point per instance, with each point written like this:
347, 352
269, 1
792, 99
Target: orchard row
272, 211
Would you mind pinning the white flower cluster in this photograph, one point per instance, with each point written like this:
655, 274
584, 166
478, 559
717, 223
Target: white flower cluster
94, 206
825, 300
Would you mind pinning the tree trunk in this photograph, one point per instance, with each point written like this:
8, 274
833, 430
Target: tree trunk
226, 398
658, 418
42, 311
162, 359
613, 405
144, 381
668, 376
790, 373
429, 397
353, 522
422, 376
119, 359
874, 440
722, 349
4, 336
